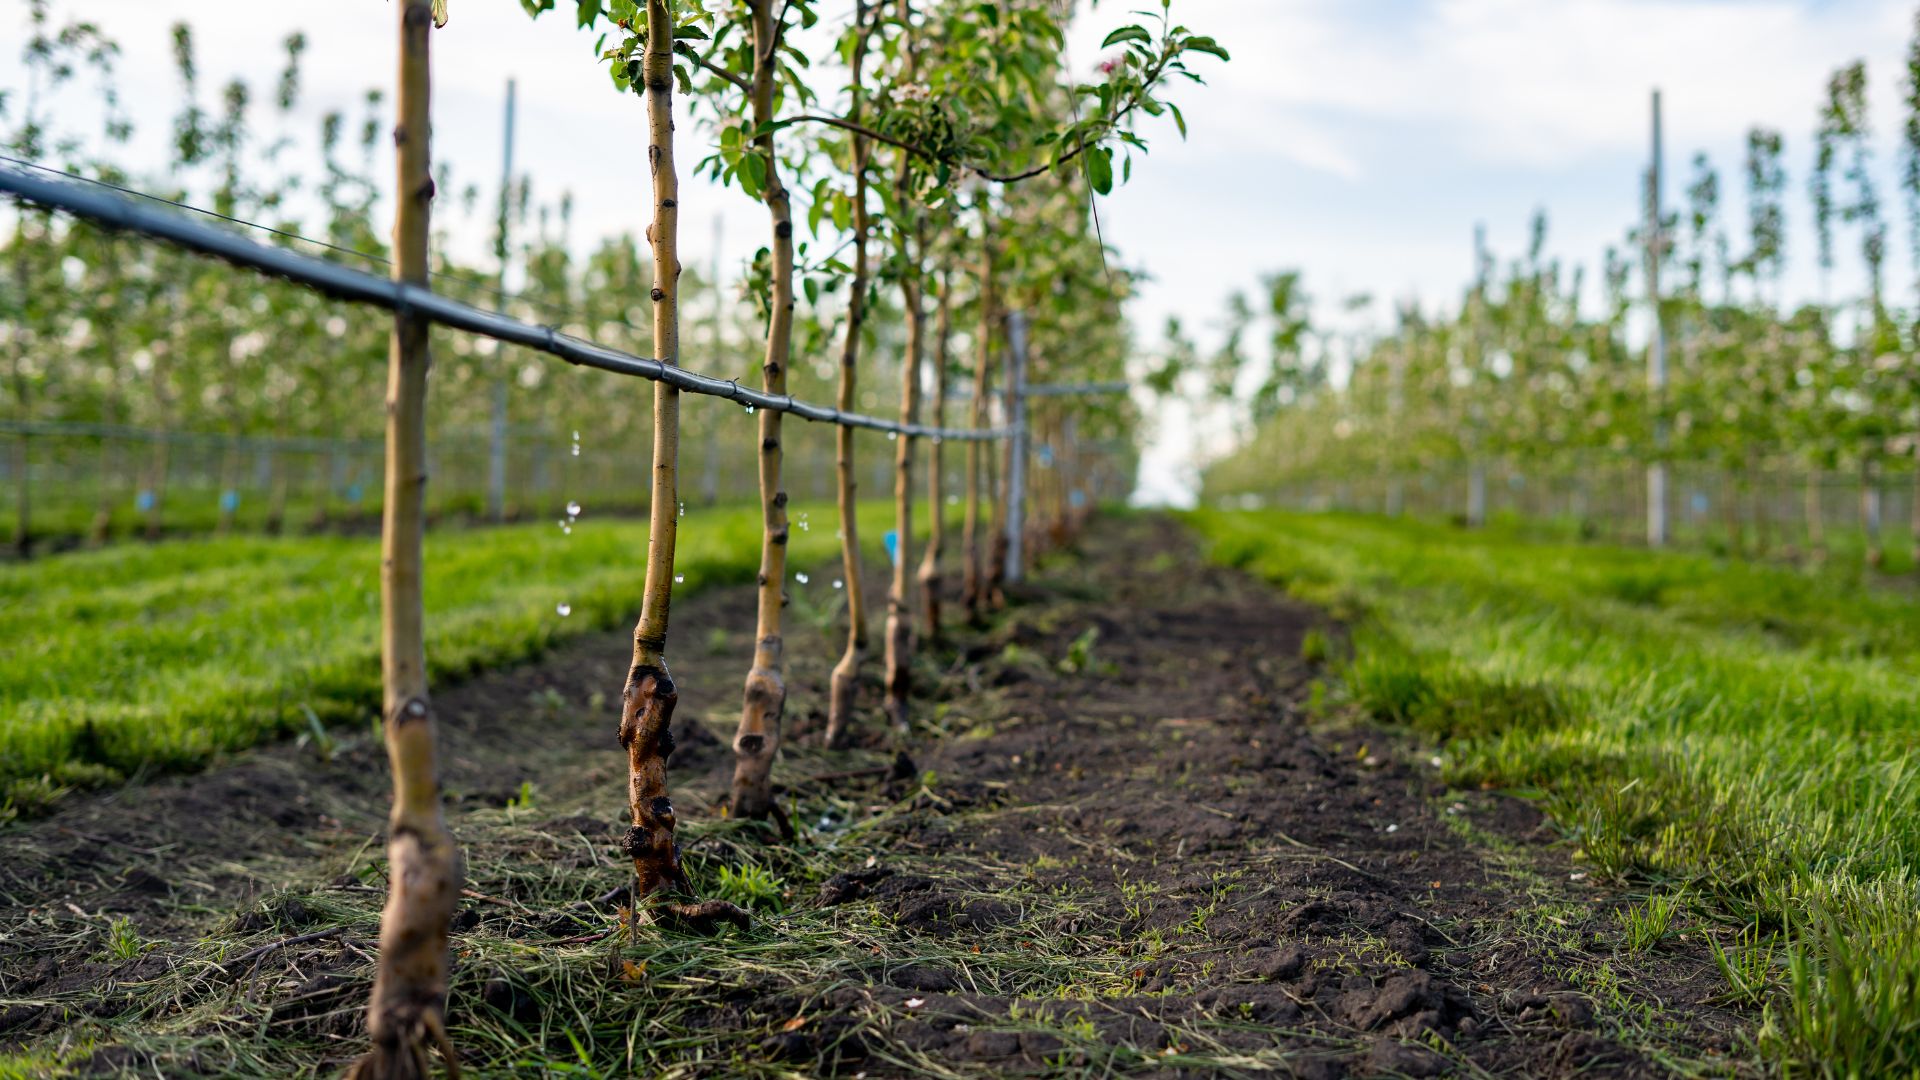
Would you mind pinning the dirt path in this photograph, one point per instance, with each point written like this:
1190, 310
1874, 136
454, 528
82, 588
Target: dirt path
1122, 849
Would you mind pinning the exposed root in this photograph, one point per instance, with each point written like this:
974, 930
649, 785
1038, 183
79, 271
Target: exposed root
703, 916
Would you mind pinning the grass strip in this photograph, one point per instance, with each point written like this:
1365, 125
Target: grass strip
161, 656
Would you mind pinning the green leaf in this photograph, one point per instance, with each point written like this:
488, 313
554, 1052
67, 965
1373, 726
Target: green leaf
1127, 33
439, 12
588, 12
1100, 168
812, 288
1179, 120
1207, 45
753, 175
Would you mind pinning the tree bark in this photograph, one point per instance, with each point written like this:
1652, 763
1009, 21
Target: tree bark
899, 649
408, 1010
936, 482
973, 566
765, 697
846, 674
22, 482
649, 695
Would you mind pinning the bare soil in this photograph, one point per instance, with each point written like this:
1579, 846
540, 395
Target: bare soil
1128, 838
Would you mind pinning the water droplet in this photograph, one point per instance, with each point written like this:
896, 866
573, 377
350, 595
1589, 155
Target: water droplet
683, 509
749, 408
576, 449
892, 435
838, 584
953, 500
565, 609
678, 578
573, 509
801, 578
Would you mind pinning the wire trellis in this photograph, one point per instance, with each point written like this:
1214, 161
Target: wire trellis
114, 211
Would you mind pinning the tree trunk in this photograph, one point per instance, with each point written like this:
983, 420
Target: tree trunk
1913, 513
1870, 509
229, 484
22, 493
973, 567
102, 525
899, 648
109, 465
649, 695
408, 1010
1816, 526
936, 483
994, 571
765, 697
996, 585
846, 674
22, 482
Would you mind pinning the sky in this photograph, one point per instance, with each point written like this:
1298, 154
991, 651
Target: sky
1359, 141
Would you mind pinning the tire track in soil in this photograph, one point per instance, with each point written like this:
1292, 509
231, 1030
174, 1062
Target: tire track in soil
1247, 892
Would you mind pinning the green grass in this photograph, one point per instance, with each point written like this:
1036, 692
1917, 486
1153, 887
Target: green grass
1744, 731
160, 656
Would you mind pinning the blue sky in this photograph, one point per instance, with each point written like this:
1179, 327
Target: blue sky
1358, 140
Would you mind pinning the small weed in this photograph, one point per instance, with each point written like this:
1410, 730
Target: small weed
317, 735
548, 702
1647, 925
123, 941
523, 800
1079, 656
1316, 647
1747, 965
750, 886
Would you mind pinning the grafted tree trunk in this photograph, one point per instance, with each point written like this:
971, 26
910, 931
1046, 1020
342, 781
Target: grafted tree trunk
408, 1010
765, 698
973, 566
649, 695
846, 674
936, 482
996, 583
899, 650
